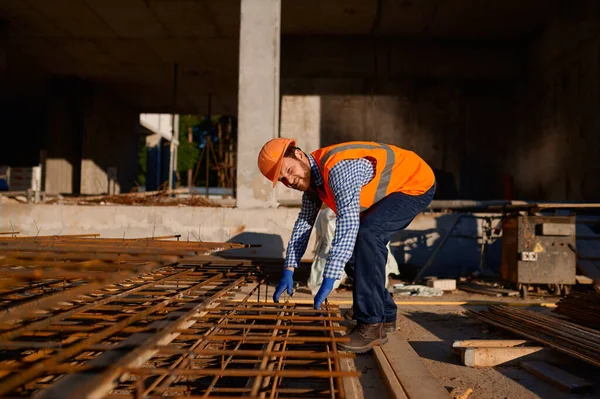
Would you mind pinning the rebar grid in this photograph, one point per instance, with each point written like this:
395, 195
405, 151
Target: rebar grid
104, 324
92, 336
246, 349
40, 273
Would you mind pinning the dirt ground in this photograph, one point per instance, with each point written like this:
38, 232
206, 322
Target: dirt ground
431, 329
431, 332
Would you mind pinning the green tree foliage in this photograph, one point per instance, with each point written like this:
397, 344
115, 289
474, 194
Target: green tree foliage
187, 153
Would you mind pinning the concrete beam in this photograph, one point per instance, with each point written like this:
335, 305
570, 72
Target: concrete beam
258, 107
3, 45
386, 59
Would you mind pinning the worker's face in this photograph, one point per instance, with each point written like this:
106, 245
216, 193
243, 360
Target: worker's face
295, 171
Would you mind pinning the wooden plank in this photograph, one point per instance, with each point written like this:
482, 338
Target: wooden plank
415, 378
458, 346
583, 279
489, 343
392, 383
558, 377
352, 387
490, 357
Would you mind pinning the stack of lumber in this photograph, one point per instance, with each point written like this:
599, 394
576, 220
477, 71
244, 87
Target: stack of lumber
570, 338
582, 308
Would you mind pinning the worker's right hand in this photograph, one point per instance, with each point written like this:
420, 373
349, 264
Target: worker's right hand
287, 281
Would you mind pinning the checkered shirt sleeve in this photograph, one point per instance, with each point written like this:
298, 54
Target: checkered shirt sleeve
346, 180
311, 203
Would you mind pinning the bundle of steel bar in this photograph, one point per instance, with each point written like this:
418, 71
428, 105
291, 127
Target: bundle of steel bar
37, 273
179, 332
575, 340
582, 308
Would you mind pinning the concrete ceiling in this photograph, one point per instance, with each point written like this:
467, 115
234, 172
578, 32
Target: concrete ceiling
132, 45
465, 19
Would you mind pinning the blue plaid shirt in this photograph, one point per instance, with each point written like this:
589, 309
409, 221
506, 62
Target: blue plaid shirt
346, 180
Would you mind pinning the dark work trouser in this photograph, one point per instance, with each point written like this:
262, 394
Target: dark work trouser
373, 303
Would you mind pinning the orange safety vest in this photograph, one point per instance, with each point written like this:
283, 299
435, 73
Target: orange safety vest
396, 170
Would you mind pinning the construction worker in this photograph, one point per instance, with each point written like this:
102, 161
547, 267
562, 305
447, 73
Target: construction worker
375, 190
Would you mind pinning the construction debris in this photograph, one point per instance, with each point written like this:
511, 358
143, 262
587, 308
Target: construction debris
570, 338
417, 290
445, 284
179, 197
458, 393
582, 308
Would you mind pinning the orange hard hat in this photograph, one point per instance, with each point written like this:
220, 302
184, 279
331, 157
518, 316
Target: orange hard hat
270, 157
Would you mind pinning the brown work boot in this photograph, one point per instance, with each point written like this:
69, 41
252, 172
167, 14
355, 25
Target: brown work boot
388, 326
364, 337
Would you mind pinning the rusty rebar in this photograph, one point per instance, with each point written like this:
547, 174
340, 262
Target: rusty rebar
159, 331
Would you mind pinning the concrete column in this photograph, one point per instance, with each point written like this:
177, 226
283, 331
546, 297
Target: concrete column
258, 99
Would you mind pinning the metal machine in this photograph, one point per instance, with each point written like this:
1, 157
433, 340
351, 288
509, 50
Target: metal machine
539, 252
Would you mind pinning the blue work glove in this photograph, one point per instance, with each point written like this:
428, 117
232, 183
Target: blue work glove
326, 288
287, 281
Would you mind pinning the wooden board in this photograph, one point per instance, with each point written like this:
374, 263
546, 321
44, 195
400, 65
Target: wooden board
583, 279
459, 346
415, 378
392, 383
489, 343
558, 377
490, 357
352, 387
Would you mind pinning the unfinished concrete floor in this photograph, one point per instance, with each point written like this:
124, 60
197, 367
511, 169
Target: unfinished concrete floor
431, 329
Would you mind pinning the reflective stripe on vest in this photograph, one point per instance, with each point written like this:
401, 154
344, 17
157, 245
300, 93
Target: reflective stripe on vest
386, 174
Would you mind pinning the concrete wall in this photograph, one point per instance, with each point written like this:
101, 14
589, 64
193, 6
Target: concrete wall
557, 147
452, 102
110, 140
76, 129
63, 135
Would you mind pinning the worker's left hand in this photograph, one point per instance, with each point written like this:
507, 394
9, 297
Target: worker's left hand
326, 288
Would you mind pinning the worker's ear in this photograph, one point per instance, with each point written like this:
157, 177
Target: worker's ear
299, 154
